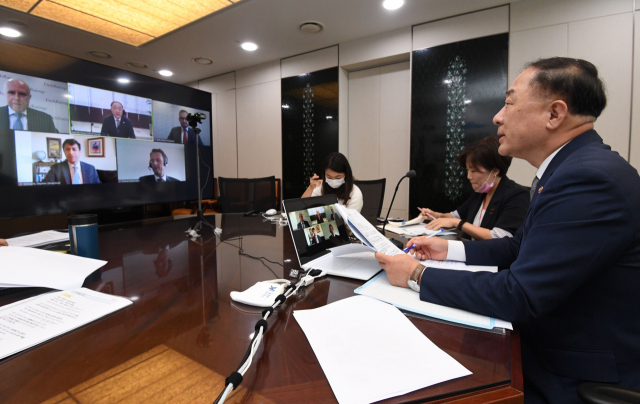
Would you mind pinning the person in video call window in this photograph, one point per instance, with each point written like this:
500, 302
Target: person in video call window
116, 124
72, 171
301, 222
331, 233
158, 160
315, 237
184, 133
17, 115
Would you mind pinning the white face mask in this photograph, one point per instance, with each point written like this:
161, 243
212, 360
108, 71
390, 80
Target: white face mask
335, 183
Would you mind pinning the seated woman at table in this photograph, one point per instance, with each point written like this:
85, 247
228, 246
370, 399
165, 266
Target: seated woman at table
337, 179
498, 206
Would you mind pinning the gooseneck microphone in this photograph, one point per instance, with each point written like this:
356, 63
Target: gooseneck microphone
409, 174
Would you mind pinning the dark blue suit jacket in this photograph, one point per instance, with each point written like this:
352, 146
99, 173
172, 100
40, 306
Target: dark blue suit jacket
125, 129
176, 135
573, 287
60, 173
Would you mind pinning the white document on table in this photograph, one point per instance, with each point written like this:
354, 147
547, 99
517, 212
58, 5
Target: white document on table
33, 321
458, 266
370, 351
354, 261
28, 267
38, 239
416, 230
406, 299
366, 232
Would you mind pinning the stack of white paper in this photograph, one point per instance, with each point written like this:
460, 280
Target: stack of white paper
370, 351
33, 321
354, 261
38, 239
28, 267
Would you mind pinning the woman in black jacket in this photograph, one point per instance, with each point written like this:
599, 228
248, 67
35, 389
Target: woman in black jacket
497, 208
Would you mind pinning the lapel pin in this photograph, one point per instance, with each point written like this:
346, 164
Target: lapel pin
540, 189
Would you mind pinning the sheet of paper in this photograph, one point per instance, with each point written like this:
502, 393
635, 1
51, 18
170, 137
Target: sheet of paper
354, 261
366, 232
406, 299
416, 220
459, 266
38, 239
33, 321
370, 351
32, 267
415, 230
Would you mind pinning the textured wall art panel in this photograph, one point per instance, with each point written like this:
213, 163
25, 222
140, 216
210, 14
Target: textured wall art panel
456, 89
309, 127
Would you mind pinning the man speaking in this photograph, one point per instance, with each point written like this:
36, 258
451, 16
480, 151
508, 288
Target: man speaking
184, 133
116, 124
72, 171
158, 160
17, 115
574, 266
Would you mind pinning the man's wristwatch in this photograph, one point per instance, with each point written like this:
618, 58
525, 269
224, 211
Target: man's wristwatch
460, 224
414, 279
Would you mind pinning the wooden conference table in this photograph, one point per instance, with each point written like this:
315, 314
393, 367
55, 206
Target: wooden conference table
183, 335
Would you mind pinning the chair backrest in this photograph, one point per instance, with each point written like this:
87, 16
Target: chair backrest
239, 195
372, 196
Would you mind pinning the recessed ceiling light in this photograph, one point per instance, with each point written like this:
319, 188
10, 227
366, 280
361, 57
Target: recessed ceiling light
392, 4
98, 54
10, 32
137, 65
202, 61
311, 27
123, 80
165, 73
249, 46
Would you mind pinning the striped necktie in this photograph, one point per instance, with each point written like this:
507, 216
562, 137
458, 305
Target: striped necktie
534, 185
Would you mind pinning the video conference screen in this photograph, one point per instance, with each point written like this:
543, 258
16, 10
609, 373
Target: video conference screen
124, 145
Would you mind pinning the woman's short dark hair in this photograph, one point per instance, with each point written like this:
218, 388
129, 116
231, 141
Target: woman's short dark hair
338, 162
574, 81
484, 153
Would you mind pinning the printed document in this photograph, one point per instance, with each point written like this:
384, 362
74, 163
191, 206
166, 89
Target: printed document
354, 261
28, 267
38, 239
366, 232
370, 351
33, 321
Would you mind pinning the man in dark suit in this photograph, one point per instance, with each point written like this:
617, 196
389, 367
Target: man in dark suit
331, 233
301, 222
158, 160
184, 133
116, 124
574, 266
17, 115
316, 238
72, 171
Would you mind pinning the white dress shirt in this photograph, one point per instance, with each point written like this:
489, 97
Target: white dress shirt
13, 118
72, 171
164, 177
355, 199
456, 250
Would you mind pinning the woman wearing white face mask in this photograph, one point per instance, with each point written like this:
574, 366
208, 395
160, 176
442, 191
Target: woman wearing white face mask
338, 180
498, 206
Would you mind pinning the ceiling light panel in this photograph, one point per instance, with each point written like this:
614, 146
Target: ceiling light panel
134, 22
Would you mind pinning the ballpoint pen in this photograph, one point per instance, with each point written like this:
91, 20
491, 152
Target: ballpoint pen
406, 250
431, 216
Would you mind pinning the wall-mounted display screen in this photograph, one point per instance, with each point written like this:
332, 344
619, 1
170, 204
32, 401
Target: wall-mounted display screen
67, 121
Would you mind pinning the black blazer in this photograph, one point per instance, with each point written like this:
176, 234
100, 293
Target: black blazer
37, 121
574, 270
507, 208
306, 224
124, 130
176, 135
152, 178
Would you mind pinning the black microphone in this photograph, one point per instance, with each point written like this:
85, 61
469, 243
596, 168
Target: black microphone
410, 174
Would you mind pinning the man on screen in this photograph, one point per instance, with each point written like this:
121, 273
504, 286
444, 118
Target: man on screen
301, 222
17, 115
316, 239
72, 171
116, 124
158, 160
184, 133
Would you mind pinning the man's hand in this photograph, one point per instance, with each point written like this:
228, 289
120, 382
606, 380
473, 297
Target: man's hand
398, 267
3, 242
432, 248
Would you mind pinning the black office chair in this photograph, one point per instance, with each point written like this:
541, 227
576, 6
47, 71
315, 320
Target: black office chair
602, 393
239, 195
372, 196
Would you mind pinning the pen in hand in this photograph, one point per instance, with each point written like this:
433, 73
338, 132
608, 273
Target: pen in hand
427, 213
406, 250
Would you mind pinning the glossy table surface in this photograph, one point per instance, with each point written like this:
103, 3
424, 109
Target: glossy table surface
183, 335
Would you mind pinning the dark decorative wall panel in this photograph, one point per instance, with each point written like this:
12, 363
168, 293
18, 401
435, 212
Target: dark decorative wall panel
309, 127
456, 89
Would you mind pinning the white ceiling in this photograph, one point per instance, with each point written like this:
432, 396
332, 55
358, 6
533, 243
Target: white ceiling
271, 24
